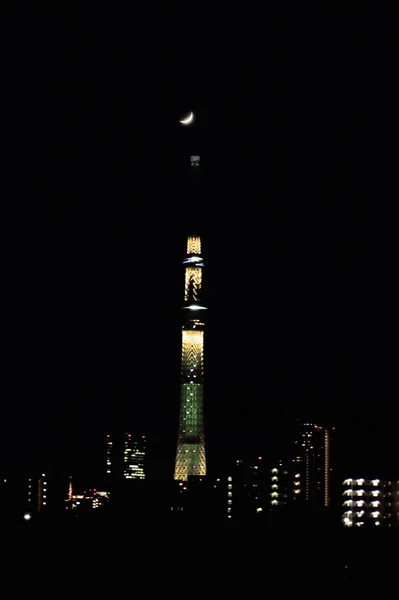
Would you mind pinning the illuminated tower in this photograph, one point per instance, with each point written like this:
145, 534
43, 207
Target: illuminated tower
190, 456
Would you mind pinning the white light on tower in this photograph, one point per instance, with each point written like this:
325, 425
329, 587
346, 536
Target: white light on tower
195, 160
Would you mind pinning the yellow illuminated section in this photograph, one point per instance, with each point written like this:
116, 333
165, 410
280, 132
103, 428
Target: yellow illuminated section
193, 282
193, 245
192, 351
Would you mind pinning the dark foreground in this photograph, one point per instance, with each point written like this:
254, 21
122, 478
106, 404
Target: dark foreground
194, 560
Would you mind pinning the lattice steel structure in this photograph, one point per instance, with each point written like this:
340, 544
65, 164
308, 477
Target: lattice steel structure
190, 456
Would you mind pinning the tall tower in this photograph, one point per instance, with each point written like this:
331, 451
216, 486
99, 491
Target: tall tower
190, 456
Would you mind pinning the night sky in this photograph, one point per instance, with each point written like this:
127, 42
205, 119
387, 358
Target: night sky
296, 122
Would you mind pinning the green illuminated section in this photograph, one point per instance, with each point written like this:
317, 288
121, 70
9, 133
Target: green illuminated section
191, 410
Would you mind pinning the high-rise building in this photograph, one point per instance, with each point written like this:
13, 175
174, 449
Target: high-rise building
280, 485
190, 456
125, 456
395, 503
134, 457
37, 494
247, 488
312, 465
370, 502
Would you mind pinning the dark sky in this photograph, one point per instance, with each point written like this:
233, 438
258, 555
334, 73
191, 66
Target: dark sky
296, 128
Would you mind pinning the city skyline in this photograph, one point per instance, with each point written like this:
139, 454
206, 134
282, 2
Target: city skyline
297, 167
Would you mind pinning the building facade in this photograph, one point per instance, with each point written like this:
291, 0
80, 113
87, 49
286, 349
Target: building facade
247, 491
312, 466
134, 456
280, 486
125, 456
190, 455
370, 503
37, 495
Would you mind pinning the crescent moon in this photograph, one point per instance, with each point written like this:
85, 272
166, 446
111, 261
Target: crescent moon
187, 120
